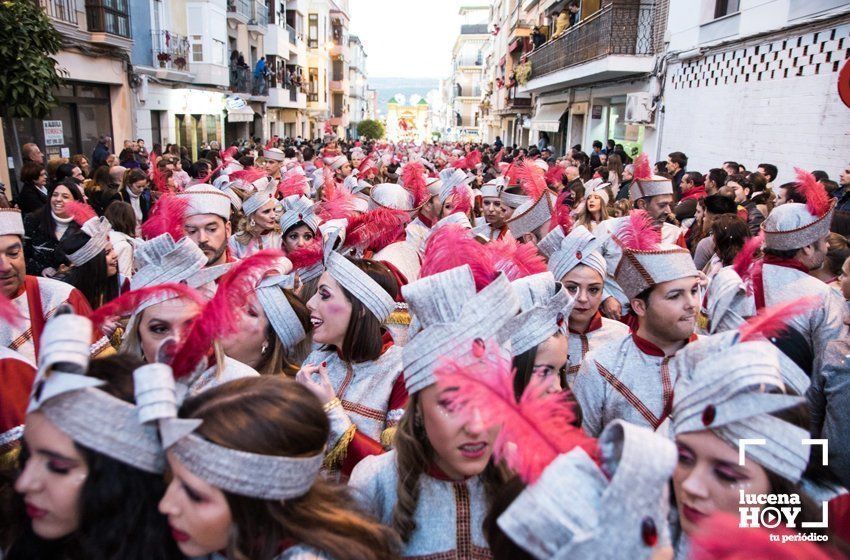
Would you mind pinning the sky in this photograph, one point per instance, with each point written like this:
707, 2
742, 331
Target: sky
406, 38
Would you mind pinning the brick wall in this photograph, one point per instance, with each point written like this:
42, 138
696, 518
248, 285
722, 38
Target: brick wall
774, 102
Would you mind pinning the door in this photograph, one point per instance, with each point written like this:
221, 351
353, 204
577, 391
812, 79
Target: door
576, 130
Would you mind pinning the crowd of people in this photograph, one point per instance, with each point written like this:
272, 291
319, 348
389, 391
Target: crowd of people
358, 350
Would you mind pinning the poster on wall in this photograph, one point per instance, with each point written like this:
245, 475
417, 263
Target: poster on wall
596, 112
53, 133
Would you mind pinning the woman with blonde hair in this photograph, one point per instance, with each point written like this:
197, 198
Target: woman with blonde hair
259, 229
595, 207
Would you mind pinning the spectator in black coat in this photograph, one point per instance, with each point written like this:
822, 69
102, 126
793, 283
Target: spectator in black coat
33, 195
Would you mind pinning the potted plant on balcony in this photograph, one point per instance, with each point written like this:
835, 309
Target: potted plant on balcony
180, 62
163, 59
523, 72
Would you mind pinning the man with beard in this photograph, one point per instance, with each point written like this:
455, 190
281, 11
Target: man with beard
35, 298
629, 378
429, 213
207, 222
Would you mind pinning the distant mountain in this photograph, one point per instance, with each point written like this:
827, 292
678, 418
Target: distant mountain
388, 87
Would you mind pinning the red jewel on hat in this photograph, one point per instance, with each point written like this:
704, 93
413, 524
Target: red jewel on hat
648, 532
300, 216
578, 255
560, 320
478, 347
708, 415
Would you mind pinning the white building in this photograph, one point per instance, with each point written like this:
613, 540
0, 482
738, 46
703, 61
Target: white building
467, 72
286, 54
358, 84
756, 81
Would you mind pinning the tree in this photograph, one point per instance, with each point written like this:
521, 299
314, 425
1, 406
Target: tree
371, 129
29, 73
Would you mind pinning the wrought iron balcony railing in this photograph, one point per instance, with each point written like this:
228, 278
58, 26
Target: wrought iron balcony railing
622, 27
170, 50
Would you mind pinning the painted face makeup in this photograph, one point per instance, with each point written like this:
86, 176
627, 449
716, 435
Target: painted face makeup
168, 319
52, 479
330, 312
198, 513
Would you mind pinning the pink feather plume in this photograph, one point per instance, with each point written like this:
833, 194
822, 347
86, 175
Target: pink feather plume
469, 162
307, 256
534, 431
270, 143
292, 183
221, 315
450, 247
563, 212
375, 229
817, 201
532, 179
517, 260
638, 232
338, 203
744, 260
643, 169
413, 178
461, 200
720, 537
249, 175
498, 157
229, 154
80, 211
166, 216
773, 321
8, 312
126, 303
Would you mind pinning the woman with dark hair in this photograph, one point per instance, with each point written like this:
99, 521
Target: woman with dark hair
836, 253
69, 171
273, 336
356, 372
218, 502
33, 194
94, 263
99, 184
91, 472
135, 191
299, 222
46, 227
729, 233
123, 235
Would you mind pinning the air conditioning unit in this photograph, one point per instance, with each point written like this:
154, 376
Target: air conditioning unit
639, 109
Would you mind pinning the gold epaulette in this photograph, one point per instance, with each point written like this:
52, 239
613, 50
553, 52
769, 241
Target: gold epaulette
337, 454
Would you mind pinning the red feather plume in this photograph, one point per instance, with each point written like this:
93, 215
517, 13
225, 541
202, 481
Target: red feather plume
413, 179
555, 175
270, 143
563, 212
220, 317
450, 247
472, 159
517, 260
773, 321
367, 168
307, 256
338, 203
720, 537
744, 260
166, 216
375, 229
461, 200
126, 303
80, 211
643, 169
534, 431
498, 157
249, 175
229, 154
292, 183
638, 232
817, 201
8, 312
531, 179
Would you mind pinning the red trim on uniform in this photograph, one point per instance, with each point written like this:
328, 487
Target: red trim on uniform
787, 263
633, 399
16, 377
681, 241
427, 221
37, 320
361, 446
651, 349
594, 325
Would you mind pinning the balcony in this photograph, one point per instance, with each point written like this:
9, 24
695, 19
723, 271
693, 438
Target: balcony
338, 85
243, 81
170, 51
260, 17
287, 97
614, 42
108, 16
477, 29
61, 10
240, 10
292, 35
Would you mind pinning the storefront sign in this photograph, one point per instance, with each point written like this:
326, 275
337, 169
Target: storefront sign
233, 102
53, 134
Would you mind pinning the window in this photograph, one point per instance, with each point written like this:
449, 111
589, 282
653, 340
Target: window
108, 16
725, 7
218, 52
313, 31
197, 48
313, 87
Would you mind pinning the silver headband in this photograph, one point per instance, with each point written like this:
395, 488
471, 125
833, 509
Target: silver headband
545, 307
98, 231
370, 293
267, 477
278, 310
88, 415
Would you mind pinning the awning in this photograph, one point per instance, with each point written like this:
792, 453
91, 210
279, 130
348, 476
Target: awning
242, 114
517, 42
548, 116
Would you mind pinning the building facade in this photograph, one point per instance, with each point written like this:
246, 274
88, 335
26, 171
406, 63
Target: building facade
96, 97
757, 82
286, 58
357, 85
464, 100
